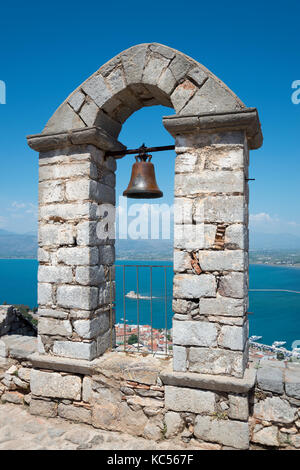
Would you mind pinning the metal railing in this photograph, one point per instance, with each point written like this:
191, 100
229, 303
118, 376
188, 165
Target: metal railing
149, 340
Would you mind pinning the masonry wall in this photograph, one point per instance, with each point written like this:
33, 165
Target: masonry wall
275, 406
140, 396
76, 255
210, 295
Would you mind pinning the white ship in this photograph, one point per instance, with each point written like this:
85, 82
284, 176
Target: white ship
254, 338
133, 295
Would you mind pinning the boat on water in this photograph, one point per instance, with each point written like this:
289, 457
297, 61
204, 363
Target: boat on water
133, 295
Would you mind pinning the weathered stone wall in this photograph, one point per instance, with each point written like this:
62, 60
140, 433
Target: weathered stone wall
76, 184
143, 397
275, 406
210, 297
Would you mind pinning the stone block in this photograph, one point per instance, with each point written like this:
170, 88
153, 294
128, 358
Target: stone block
266, 436
105, 341
183, 210
209, 182
190, 286
216, 361
292, 383
115, 80
55, 274
194, 333
189, 400
182, 94
220, 209
45, 295
78, 414
226, 432
59, 314
104, 293
54, 327
64, 212
236, 236
238, 407
186, 163
181, 261
66, 171
76, 256
167, 82
87, 390
211, 98
84, 189
97, 89
163, 50
198, 75
180, 66
54, 385
233, 337
224, 157
233, 285
80, 297
270, 379
133, 62
79, 189
89, 329
90, 275
87, 234
105, 121
51, 191
43, 255
48, 409
194, 237
107, 254
63, 119
222, 306
153, 69
174, 424
75, 349
185, 306
24, 374
179, 358
13, 397
229, 260
274, 409
56, 234
76, 100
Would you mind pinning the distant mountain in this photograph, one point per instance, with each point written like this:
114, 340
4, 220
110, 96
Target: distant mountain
273, 241
144, 249
15, 245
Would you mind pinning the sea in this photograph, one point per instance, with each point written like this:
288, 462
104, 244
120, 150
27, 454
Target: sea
275, 311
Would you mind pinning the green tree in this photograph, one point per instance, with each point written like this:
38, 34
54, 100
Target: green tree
280, 356
132, 339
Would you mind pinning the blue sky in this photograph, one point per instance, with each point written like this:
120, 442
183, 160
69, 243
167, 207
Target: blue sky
48, 49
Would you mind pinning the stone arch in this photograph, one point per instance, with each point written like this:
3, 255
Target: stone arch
143, 75
213, 132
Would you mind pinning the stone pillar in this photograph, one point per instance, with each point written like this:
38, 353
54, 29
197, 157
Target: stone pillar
210, 296
76, 254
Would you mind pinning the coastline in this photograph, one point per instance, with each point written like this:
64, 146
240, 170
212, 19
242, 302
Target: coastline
171, 259
276, 265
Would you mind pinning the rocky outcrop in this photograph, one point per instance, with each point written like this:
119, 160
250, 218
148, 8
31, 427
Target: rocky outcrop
13, 322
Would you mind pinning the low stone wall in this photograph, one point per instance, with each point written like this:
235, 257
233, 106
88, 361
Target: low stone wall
142, 396
15, 369
275, 416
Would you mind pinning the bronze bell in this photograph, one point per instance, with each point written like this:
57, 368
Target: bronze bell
142, 184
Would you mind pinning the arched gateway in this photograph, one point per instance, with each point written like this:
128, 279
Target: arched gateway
213, 132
